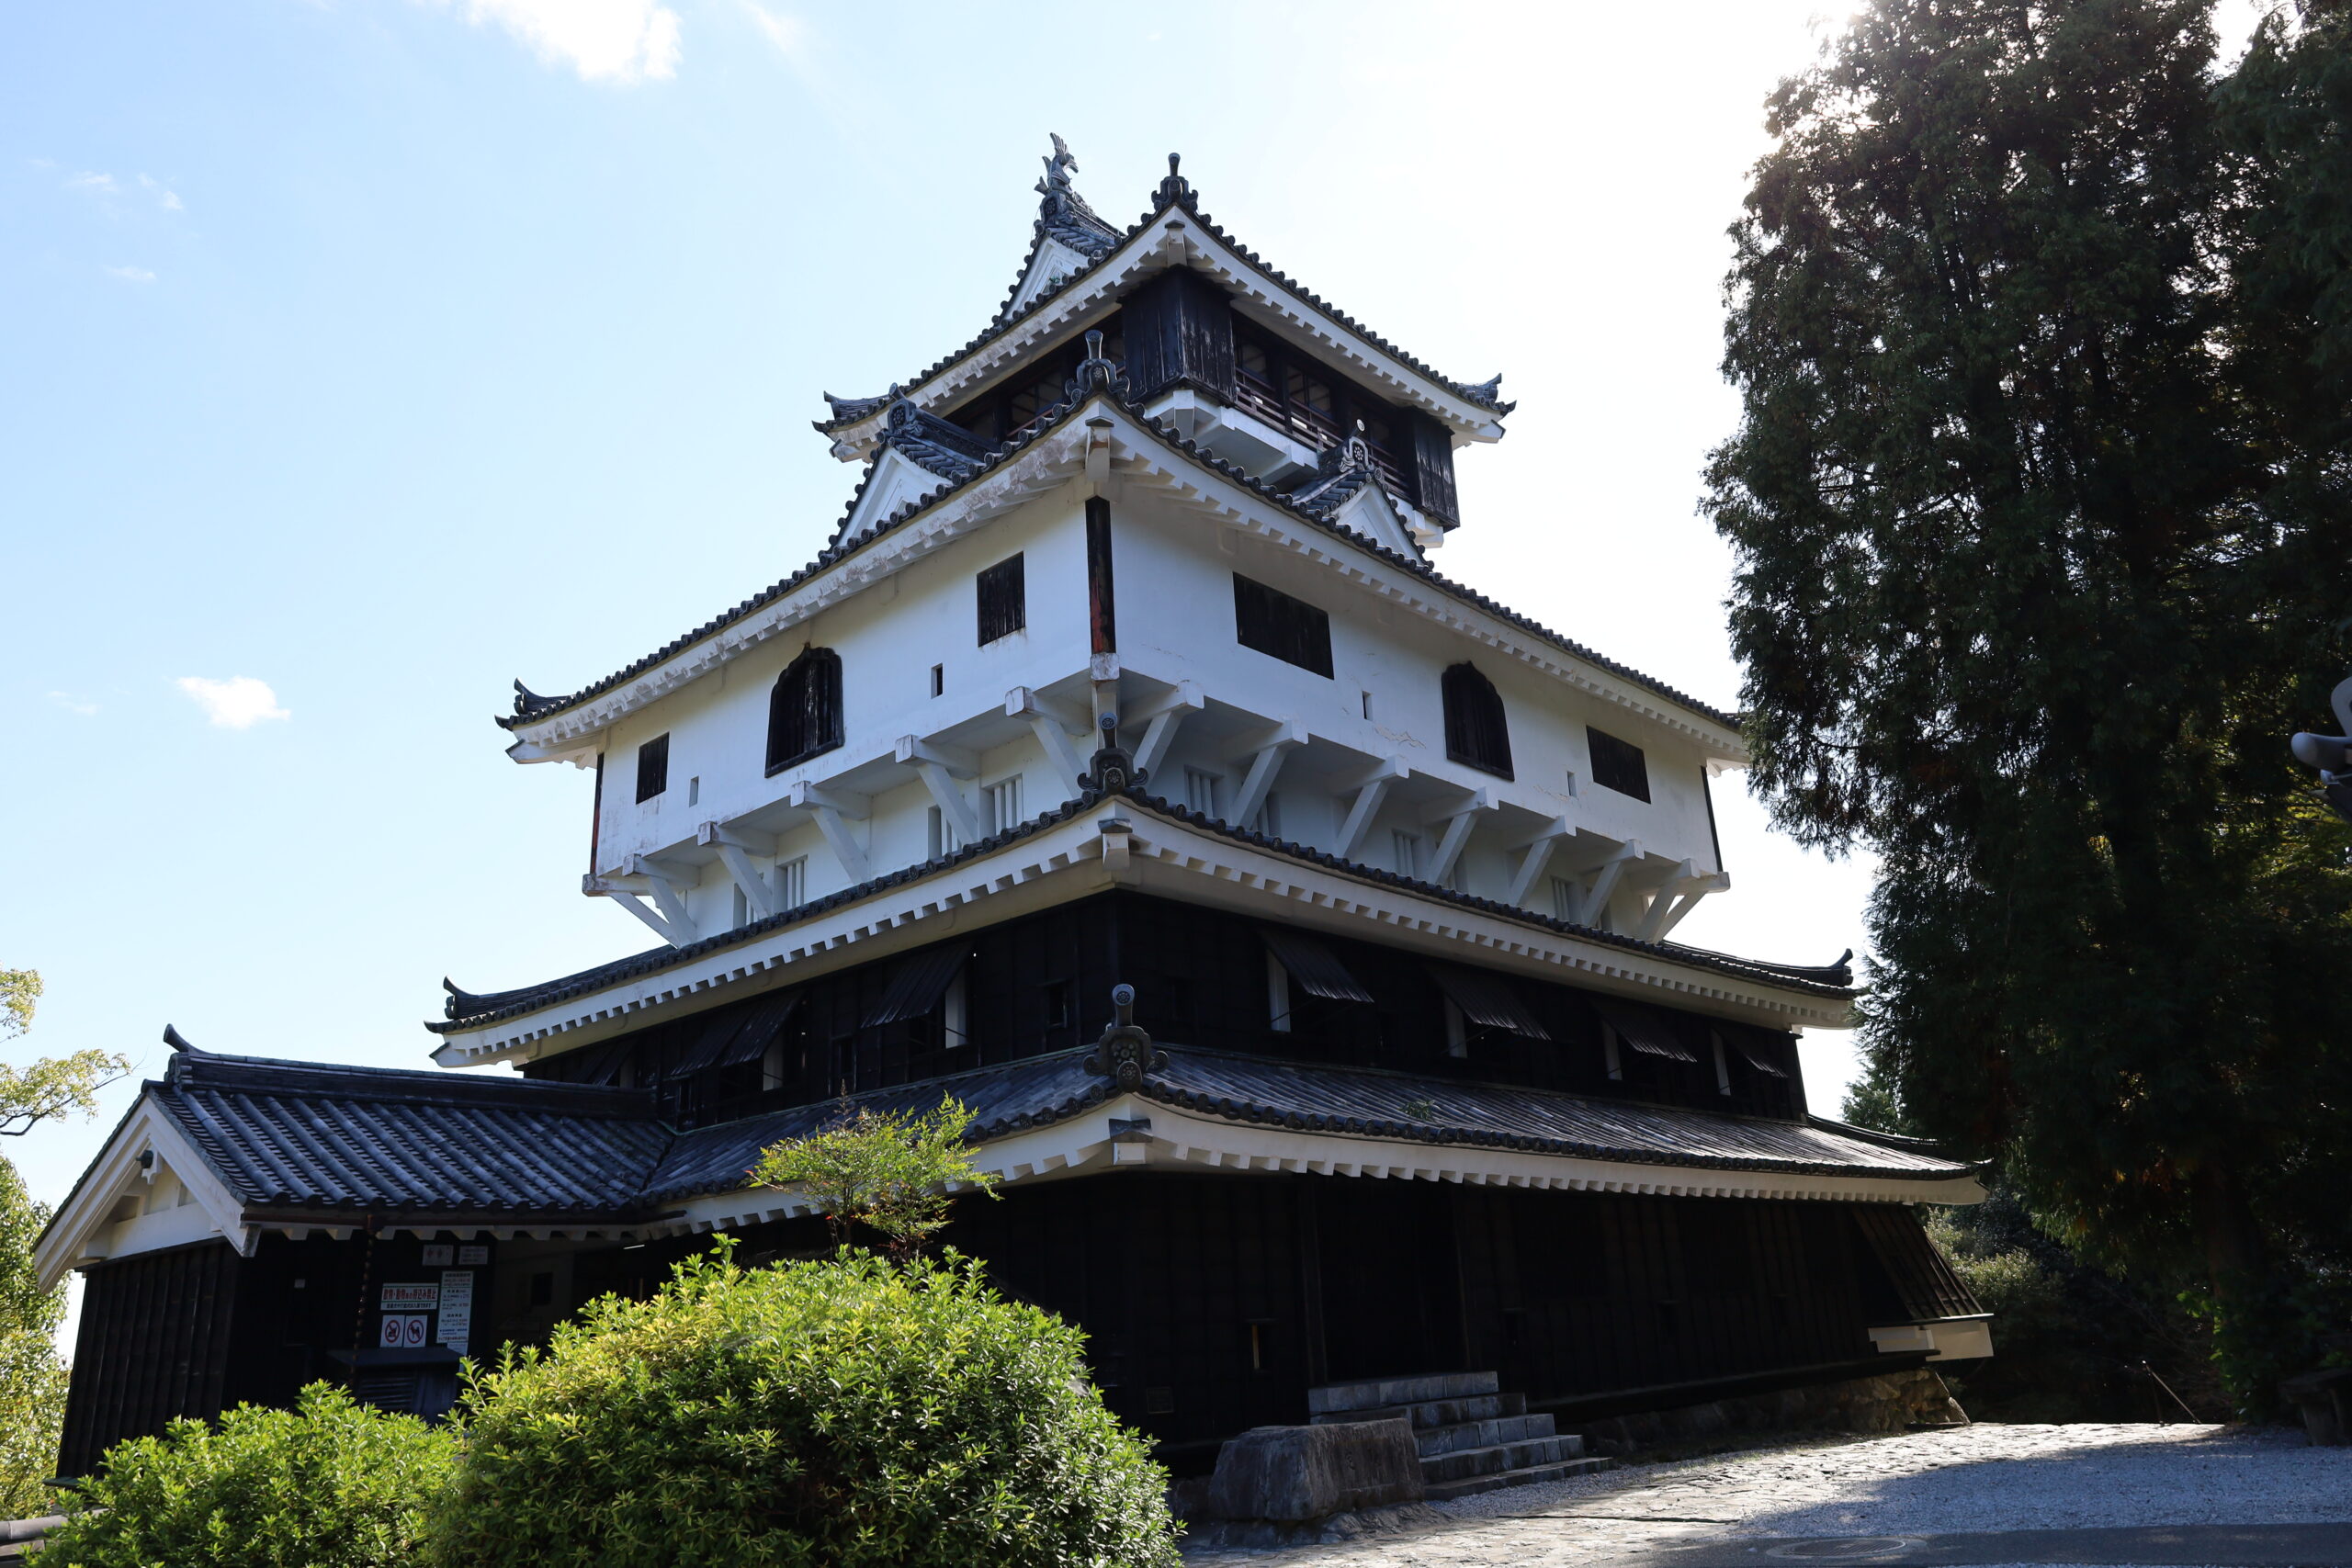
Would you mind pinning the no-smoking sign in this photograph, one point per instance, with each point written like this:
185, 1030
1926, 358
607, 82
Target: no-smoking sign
402, 1330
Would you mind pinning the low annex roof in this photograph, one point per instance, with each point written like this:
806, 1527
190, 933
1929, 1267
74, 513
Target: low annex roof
469, 1010
530, 707
308, 1139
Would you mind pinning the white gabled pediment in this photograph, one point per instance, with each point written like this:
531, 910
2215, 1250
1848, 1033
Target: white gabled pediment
1053, 261
1370, 513
896, 480
120, 1207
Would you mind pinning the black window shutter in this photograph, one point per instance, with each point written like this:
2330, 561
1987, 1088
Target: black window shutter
1476, 732
1433, 467
652, 767
1004, 600
1289, 629
805, 709
1618, 764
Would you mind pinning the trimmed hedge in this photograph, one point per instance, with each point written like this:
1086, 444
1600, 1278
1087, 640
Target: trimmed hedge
327, 1484
847, 1412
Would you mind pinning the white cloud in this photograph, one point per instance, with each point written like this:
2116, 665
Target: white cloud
131, 274
73, 704
239, 703
786, 32
101, 184
165, 197
618, 40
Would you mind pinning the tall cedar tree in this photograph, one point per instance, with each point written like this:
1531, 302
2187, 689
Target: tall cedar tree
2034, 581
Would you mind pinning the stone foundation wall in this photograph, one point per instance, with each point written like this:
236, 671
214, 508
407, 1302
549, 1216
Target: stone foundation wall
1892, 1404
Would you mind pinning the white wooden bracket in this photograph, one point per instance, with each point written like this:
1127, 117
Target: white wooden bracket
1265, 751
1460, 815
1533, 856
1603, 886
1666, 912
1052, 722
1372, 789
735, 847
939, 767
834, 810
1160, 718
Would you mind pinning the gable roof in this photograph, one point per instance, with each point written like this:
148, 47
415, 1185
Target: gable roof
1093, 238
531, 708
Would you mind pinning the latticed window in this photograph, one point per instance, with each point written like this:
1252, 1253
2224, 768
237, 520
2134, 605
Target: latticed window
652, 768
1618, 764
1476, 733
1273, 623
805, 709
1004, 600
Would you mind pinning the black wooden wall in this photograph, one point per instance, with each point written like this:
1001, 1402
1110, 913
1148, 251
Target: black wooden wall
1179, 331
1043, 984
154, 1343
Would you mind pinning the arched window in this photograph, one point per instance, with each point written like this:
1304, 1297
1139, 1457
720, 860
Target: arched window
1476, 731
805, 709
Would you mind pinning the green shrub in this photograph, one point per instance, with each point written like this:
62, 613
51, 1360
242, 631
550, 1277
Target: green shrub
328, 1484
848, 1413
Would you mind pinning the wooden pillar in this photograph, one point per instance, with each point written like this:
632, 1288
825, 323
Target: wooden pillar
1310, 1287
1101, 613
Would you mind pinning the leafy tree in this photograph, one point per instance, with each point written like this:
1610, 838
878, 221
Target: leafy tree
32, 1379
57, 1085
890, 1172
848, 1414
328, 1484
2036, 574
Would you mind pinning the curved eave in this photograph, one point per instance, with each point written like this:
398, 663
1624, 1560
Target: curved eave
1061, 856
570, 725
1179, 234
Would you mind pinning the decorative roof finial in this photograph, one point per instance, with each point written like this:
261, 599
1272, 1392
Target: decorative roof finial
1064, 214
1095, 371
1059, 169
1175, 188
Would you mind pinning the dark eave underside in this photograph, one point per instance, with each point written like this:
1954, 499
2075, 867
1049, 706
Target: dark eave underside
538, 708
1829, 982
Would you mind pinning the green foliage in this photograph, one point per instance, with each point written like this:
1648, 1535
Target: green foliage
32, 1379
19, 993
329, 1484
847, 1412
2038, 569
890, 1171
58, 1086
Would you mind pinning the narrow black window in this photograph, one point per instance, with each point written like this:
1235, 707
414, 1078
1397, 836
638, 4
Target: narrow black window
652, 767
1004, 600
1273, 623
1476, 731
1618, 765
805, 709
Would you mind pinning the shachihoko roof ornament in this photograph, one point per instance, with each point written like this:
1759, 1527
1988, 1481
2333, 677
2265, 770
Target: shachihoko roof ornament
1064, 215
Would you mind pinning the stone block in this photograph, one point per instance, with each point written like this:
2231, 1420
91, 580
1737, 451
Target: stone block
1292, 1473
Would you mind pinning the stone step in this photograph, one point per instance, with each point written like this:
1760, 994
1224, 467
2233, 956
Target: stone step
1469, 1485
1463, 1462
1486, 1434
1436, 1412
1379, 1392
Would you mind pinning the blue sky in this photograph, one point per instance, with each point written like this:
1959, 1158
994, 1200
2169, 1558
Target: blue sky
377, 352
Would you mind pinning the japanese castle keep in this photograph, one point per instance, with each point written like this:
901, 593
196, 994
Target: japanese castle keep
1126, 666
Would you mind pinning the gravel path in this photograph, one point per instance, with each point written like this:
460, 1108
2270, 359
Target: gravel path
1985, 1477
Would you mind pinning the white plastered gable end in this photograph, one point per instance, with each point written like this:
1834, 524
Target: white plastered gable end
896, 480
1053, 261
93, 1226
1371, 513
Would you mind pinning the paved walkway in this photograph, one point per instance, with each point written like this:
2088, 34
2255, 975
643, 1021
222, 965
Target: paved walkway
2187, 1495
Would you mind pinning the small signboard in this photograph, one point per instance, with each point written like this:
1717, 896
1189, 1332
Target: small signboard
411, 1298
457, 1309
438, 1255
474, 1257
402, 1331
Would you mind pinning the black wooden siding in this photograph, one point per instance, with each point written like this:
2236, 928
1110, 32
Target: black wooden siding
1043, 983
1179, 331
1433, 467
154, 1344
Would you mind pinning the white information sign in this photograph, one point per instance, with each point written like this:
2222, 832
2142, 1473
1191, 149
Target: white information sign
437, 1255
402, 1331
411, 1298
474, 1257
457, 1309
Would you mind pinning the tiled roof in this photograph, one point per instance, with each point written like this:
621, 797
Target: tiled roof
1829, 981
1174, 193
313, 1136
529, 707
309, 1138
